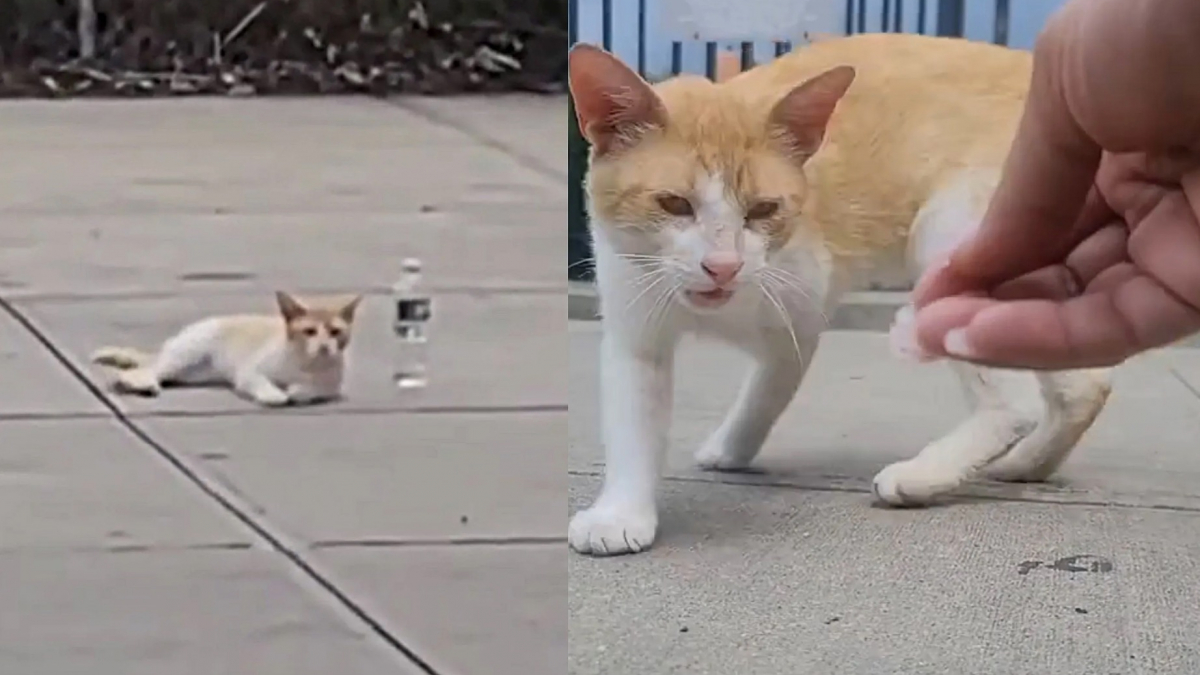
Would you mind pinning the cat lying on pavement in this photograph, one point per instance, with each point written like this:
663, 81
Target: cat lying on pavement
295, 357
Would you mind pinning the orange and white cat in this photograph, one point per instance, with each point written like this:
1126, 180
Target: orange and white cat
742, 210
295, 357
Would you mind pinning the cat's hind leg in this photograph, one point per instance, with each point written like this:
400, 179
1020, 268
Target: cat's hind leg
765, 394
1007, 408
1072, 400
176, 359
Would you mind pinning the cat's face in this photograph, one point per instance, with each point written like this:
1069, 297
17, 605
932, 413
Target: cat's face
320, 333
693, 182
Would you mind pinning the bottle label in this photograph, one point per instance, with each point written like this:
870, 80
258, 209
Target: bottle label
413, 309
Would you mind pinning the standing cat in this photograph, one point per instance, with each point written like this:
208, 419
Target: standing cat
298, 357
742, 211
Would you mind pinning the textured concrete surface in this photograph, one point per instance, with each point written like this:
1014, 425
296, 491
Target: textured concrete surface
195, 534
795, 570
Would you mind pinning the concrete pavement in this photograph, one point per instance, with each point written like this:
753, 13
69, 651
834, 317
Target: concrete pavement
794, 570
195, 534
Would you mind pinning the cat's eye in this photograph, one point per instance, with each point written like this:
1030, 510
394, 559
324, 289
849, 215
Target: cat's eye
675, 205
334, 332
761, 210
309, 331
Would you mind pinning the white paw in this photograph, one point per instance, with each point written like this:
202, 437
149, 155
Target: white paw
138, 381
271, 398
605, 530
915, 483
715, 455
902, 337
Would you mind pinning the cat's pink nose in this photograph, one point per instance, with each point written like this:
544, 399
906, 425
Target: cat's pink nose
722, 267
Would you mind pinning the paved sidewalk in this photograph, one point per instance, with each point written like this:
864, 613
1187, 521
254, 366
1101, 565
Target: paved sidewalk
795, 571
196, 535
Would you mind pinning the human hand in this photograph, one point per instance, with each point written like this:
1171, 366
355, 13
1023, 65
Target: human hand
1090, 249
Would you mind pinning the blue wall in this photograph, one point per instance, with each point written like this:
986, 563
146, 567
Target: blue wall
1025, 20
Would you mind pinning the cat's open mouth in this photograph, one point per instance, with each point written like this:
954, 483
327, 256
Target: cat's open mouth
714, 298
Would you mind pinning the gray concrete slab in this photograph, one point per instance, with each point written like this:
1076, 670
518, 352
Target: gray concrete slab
334, 479
32, 382
90, 485
529, 125
762, 581
484, 350
475, 610
861, 409
173, 613
207, 156
498, 249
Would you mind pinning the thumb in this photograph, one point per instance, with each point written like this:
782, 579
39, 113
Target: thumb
1046, 179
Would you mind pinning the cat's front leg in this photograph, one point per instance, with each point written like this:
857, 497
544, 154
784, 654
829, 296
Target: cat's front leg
258, 388
300, 393
635, 399
779, 367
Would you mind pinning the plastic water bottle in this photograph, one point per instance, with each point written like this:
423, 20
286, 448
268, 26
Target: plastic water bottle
410, 370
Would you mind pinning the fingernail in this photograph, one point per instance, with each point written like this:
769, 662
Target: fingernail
956, 344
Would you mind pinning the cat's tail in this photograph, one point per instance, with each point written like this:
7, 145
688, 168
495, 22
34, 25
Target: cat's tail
121, 358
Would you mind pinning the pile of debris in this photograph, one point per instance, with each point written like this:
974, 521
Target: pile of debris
247, 47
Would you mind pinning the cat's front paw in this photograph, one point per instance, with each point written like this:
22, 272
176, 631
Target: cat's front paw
613, 530
915, 483
271, 398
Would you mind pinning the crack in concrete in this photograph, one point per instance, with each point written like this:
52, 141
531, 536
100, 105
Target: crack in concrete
367, 542
963, 497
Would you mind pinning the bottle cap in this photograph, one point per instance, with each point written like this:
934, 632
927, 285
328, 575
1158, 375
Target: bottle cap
410, 265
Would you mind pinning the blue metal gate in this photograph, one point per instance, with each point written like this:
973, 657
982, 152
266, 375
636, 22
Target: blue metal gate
988, 21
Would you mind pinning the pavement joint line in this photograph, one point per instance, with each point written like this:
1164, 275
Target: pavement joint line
960, 498
437, 542
528, 161
275, 540
314, 411
124, 549
1184, 381
319, 411
227, 290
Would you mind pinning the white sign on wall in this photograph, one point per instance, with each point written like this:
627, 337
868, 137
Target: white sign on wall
751, 20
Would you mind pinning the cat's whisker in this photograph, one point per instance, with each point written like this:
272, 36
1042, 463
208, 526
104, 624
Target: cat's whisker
787, 284
660, 309
648, 286
787, 320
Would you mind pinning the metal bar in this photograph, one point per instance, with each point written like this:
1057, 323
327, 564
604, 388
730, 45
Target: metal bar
606, 23
1000, 36
676, 58
884, 14
898, 17
747, 56
710, 60
641, 31
921, 12
862, 16
782, 48
849, 17
950, 18
578, 242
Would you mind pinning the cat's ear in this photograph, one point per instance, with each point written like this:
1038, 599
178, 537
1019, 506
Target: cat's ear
802, 116
613, 105
347, 310
289, 307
